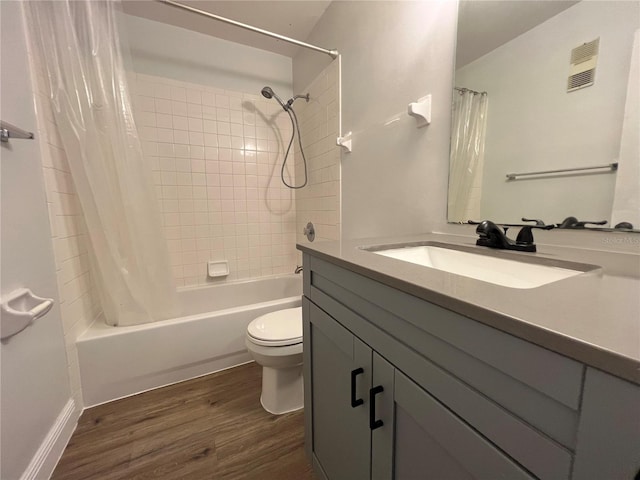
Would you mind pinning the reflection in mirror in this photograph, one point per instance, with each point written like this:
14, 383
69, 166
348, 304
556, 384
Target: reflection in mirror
548, 90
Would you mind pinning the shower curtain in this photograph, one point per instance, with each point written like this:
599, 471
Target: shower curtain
76, 42
467, 150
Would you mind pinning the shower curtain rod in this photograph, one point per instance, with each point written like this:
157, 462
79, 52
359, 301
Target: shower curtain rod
332, 53
461, 89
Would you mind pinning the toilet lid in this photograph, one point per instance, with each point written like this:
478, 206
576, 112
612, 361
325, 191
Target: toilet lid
283, 327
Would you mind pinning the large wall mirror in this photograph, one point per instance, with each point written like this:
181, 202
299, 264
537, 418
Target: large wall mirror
545, 113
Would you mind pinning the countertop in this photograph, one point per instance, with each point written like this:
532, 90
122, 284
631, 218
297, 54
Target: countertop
593, 317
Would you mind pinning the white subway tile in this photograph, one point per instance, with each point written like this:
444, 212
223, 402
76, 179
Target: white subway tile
208, 99
197, 166
180, 123
162, 106
197, 152
178, 94
222, 101
224, 154
178, 108
209, 126
196, 138
208, 112
146, 104
194, 110
235, 116
181, 137
223, 128
210, 153
162, 91
194, 96
164, 149
195, 124
223, 115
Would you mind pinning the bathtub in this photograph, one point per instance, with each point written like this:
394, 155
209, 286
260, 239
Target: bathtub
116, 362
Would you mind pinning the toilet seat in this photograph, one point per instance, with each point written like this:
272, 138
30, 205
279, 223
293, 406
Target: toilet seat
276, 329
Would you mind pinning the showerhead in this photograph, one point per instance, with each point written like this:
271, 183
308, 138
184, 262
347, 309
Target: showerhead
267, 92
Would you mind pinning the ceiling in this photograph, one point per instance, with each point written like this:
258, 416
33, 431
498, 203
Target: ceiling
484, 25
294, 19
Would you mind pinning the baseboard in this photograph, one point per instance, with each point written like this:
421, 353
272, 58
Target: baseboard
50, 451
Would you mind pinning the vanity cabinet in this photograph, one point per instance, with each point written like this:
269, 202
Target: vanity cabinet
341, 436
361, 403
399, 388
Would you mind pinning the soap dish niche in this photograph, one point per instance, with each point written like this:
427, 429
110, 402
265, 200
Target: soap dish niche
218, 268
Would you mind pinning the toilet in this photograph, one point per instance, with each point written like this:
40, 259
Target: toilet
274, 340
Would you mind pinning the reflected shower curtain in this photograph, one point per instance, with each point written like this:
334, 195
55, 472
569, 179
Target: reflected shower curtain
77, 44
467, 149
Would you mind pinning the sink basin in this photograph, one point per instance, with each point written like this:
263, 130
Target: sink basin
499, 271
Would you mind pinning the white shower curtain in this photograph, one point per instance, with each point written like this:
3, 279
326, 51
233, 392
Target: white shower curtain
467, 150
77, 43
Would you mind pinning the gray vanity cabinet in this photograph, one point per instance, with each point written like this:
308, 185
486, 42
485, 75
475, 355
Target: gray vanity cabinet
433, 443
370, 421
341, 377
609, 430
399, 388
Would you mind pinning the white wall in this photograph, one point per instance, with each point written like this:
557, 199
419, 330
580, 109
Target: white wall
395, 180
167, 51
38, 411
626, 203
534, 124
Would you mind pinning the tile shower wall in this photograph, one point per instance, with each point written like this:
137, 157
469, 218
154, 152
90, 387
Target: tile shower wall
216, 156
319, 201
79, 302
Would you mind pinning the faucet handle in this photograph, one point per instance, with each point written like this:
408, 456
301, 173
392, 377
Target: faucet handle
539, 223
525, 235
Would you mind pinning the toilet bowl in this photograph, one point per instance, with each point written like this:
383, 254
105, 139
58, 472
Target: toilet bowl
274, 341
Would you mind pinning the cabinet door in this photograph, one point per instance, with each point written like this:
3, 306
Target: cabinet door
608, 448
433, 443
341, 435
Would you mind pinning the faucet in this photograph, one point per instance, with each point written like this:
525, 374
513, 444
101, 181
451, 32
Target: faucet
492, 236
572, 222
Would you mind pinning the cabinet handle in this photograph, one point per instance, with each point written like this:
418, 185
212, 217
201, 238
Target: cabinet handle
355, 401
373, 423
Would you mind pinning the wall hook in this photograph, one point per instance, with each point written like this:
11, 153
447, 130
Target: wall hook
421, 111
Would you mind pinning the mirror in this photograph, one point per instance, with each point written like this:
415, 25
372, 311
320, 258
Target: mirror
545, 112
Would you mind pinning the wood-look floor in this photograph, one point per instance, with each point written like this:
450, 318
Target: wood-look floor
212, 427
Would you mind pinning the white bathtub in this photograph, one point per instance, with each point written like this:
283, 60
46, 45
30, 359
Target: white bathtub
116, 362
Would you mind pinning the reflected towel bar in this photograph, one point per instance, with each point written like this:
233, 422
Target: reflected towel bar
610, 167
8, 131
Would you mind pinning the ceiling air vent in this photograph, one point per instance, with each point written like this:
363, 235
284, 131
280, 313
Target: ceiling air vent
582, 72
